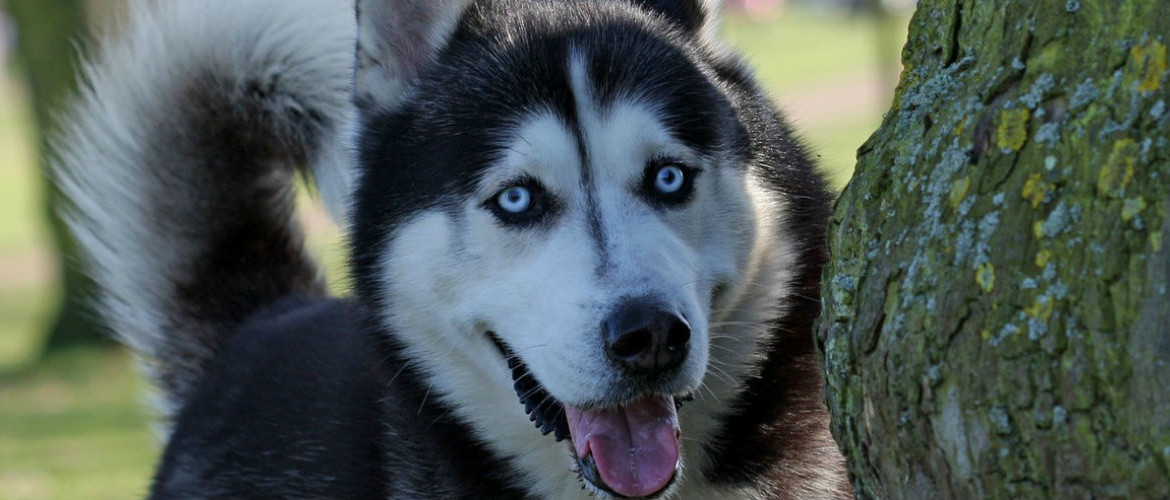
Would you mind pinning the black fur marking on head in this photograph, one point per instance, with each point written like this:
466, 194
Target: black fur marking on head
664, 72
505, 62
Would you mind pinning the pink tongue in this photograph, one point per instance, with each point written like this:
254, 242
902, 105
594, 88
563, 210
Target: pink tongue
635, 446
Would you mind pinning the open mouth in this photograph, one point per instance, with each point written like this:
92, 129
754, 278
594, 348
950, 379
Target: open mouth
627, 451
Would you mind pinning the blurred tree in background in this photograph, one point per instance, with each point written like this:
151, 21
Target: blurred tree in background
45, 50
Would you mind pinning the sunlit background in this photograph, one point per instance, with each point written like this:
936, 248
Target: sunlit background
72, 421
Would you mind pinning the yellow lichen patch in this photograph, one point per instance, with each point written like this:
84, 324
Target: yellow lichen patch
1150, 61
985, 276
1131, 208
1118, 170
960, 129
1156, 241
1041, 309
986, 334
959, 191
1043, 257
1012, 131
1036, 190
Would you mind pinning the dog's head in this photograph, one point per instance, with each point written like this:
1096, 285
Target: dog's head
555, 200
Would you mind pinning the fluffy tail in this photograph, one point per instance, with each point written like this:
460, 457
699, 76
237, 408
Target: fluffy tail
179, 159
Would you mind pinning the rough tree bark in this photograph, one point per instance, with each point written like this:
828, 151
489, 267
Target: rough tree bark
997, 320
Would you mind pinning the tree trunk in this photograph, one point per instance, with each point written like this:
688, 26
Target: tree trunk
46, 33
996, 311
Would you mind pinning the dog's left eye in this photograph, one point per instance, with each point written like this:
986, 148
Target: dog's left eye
515, 200
669, 183
670, 179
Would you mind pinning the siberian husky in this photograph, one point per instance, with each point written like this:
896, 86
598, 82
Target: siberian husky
585, 250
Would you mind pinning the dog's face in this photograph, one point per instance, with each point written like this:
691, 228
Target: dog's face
557, 211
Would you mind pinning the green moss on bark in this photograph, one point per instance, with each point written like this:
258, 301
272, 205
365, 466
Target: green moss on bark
996, 309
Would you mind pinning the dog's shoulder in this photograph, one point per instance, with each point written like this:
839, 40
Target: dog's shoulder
307, 400
288, 406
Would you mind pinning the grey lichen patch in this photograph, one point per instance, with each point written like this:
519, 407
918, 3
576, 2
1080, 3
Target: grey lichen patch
1085, 93
1147, 147
951, 433
1060, 290
988, 225
1008, 331
1000, 420
1049, 133
1057, 221
1114, 84
934, 375
1038, 92
1059, 415
1037, 316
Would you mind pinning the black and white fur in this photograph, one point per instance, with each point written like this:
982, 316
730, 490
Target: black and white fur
179, 159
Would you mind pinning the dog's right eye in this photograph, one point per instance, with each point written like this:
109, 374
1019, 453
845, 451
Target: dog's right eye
521, 203
515, 200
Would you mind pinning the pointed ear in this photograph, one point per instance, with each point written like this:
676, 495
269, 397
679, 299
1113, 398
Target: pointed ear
397, 39
694, 16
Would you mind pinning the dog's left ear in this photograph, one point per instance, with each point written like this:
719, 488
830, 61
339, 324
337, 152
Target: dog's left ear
397, 40
694, 16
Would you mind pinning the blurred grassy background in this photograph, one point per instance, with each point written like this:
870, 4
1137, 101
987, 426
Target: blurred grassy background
73, 425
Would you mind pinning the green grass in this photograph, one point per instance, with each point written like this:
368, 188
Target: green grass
73, 426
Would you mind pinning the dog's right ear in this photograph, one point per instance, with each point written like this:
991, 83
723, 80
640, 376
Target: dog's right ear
694, 16
396, 40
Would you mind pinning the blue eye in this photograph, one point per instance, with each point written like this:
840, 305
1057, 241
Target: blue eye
524, 202
669, 179
668, 183
515, 200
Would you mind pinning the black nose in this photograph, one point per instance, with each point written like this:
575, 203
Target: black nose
646, 338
